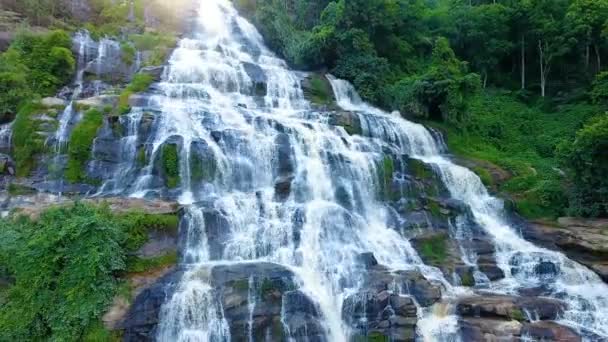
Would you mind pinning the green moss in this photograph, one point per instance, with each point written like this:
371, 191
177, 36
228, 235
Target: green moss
139, 224
484, 175
18, 190
517, 315
139, 265
27, 143
435, 209
159, 46
170, 165
139, 83
373, 336
128, 53
267, 287
467, 279
241, 285
141, 158
80, 145
202, 170
433, 249
320, 90
419, 169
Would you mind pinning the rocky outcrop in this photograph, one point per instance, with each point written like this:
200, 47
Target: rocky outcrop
585, 241
509, 318
261, 298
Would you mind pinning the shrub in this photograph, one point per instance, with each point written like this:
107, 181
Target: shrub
64, 266
586, 158
81, 143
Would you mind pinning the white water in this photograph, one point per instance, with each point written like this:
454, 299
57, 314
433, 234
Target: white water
332, 213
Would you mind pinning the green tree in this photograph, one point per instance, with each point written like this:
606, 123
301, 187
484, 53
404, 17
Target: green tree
587, 161
587, 19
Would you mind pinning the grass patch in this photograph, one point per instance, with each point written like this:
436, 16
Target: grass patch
139, 224
141, 265
81, 143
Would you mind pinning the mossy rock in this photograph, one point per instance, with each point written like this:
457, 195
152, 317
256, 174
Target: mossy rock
81, 144
170, 165
318, 90
419, 169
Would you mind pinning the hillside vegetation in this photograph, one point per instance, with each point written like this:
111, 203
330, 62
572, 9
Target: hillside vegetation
511, 82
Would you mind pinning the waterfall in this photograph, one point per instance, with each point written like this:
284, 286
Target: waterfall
583, 291
264, 178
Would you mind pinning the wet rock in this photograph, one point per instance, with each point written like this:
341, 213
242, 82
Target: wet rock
156, 72
7, 166
350, 121
282, 188
368, 260
550, 331
258, 78
100, 101
285, 162
510, 307
585, 241
53, 102
379, 278
482, 329
383, 315
203, 165
142, 320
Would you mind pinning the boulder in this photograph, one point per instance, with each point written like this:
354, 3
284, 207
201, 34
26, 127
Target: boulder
550, 331
100, 101
584, 241
350, 121
484, 329
156, 72
510, 307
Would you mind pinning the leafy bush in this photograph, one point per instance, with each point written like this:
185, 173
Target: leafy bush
587, 159
35, 64
81, 143
139, 83
64, 266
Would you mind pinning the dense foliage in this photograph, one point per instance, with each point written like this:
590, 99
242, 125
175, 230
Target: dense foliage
587, 158
34, 65
65, 267
489, 73
81, 144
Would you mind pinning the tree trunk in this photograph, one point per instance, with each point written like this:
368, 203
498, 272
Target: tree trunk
543, 72
587, 53
523, 62
598, 58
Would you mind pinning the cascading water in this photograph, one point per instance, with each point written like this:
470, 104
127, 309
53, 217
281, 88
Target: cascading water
291, 189
583, 291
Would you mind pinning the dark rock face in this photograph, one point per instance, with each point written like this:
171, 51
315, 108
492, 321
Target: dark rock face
506, 318
549, 331
350, 121
258, 78
279, 310
509, 307
143, 317
381, 314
